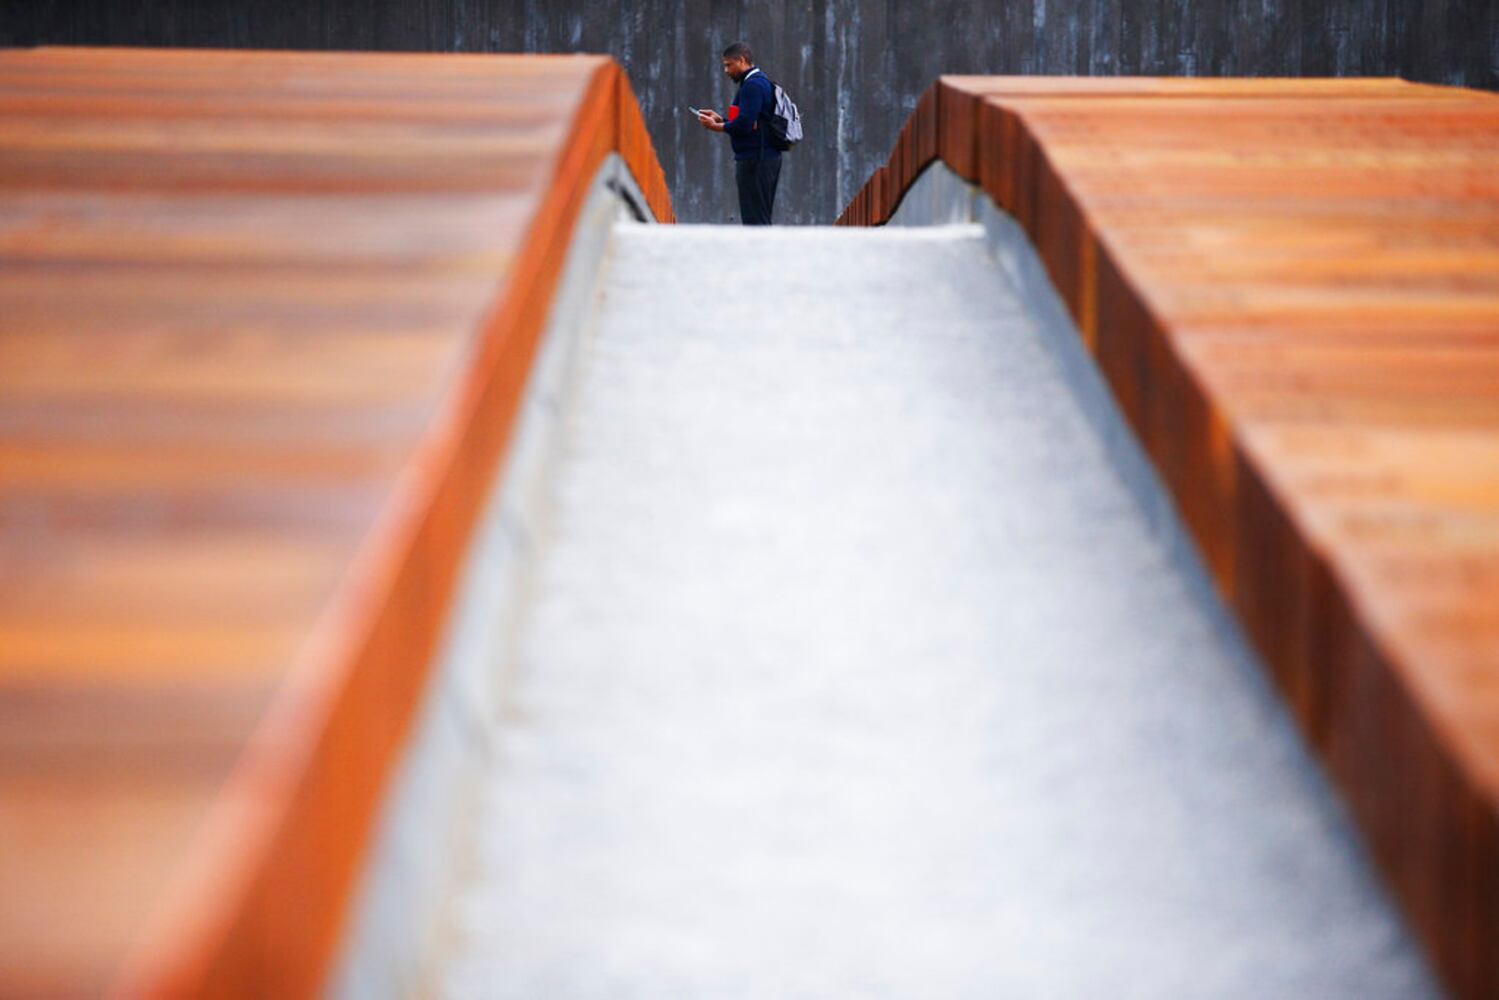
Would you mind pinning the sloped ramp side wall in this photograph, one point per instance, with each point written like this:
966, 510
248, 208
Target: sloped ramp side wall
1285, 285
398, 934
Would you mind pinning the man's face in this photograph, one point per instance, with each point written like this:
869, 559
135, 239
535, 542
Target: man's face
734, 67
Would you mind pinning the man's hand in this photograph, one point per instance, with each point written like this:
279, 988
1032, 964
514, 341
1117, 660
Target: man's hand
710, 120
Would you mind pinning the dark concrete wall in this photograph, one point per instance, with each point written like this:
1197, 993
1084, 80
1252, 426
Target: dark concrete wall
855, 67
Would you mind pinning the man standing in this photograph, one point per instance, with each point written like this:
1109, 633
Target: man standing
757, 163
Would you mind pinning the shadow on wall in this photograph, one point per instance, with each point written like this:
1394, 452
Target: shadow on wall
855, 67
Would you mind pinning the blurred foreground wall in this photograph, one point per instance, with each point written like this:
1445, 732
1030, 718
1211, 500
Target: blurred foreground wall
856, 67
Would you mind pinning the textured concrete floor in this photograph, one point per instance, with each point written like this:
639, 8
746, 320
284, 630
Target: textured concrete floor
854, 670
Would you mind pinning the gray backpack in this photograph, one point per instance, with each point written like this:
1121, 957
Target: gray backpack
784, 124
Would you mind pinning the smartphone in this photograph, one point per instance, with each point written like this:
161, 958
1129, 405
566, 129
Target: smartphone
694, 112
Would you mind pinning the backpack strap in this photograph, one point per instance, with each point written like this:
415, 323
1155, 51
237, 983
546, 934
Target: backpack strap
760, 120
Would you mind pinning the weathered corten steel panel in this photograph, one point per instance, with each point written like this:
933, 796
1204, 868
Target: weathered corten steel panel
264, 323
1292, 287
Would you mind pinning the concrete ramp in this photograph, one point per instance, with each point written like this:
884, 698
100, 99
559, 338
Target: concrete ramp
853, 666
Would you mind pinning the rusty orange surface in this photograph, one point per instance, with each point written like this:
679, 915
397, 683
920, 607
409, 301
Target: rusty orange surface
264, 320
1292, 287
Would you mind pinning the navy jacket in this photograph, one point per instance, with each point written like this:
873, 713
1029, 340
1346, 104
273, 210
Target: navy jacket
756, 97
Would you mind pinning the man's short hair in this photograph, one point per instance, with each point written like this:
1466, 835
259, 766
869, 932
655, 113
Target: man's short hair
739, 51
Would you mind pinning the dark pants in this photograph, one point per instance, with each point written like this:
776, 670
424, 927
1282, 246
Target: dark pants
757, 189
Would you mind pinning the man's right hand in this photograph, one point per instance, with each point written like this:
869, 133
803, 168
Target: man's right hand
710, 117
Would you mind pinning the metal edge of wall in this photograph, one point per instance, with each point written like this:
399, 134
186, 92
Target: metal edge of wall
397, 928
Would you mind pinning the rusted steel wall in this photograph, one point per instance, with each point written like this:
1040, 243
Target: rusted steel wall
259, 366
856, 67
1287, 285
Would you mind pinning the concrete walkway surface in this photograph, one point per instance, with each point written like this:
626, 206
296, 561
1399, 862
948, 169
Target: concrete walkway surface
852, 668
